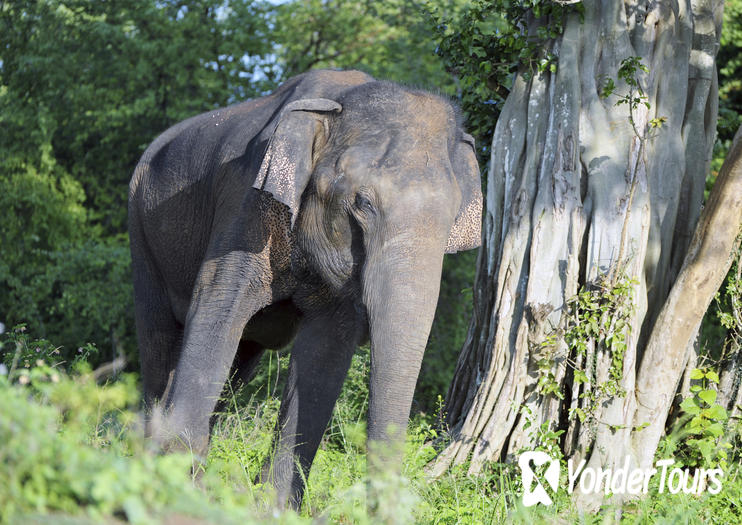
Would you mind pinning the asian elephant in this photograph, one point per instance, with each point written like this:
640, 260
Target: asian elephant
319, 213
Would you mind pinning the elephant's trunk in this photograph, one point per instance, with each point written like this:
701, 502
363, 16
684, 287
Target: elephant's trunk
401, 285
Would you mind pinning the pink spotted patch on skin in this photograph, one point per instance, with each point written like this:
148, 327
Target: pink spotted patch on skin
466, 232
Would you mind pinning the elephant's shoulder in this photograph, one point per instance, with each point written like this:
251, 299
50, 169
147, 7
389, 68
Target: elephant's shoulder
196, 147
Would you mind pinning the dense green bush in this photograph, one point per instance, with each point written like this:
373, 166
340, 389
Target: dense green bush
74, 447
91, 296
56, 273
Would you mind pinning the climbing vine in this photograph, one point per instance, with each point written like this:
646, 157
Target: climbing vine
629, 71
698, 435
598, 317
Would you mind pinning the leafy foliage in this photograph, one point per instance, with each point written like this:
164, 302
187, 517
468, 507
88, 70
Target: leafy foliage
485, 43
629, 71
42, 211
56, 273
543, 437
66, 447
721, 330
73, 448
599, 317
729, 59
84, 86
98, 80
729, 306
698, 435
389, 40
20, 351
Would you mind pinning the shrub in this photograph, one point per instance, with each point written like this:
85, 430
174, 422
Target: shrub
69, 446
56, 273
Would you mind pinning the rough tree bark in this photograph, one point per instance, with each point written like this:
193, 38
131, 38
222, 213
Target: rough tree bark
579, 198
706, 264
730, 385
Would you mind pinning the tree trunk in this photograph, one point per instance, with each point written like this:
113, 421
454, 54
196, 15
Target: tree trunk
730, 385
705, 266
581, 198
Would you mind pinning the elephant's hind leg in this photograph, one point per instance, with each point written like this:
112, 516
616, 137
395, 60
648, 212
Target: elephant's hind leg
246, 361
159, 334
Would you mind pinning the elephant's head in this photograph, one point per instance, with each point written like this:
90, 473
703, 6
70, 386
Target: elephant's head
380, 183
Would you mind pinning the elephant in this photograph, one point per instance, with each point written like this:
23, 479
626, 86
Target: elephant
317, 214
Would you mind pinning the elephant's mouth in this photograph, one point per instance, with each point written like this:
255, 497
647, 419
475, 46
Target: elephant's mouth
334, 252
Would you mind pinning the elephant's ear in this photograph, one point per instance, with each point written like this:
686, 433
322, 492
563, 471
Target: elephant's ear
288, 162
466, 232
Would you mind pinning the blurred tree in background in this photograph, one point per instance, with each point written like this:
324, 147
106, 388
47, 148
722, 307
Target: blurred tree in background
390, 40
730, 73
84, 87
96, 81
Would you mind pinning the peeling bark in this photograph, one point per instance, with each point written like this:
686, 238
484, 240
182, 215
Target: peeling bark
575, 195
706, 264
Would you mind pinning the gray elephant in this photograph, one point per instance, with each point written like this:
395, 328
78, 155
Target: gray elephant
319, 213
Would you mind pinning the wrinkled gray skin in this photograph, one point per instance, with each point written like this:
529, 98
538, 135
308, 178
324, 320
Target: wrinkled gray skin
319, 213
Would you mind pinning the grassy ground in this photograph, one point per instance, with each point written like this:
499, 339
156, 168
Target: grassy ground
71, 451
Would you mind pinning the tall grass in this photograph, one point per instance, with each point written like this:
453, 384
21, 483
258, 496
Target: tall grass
71, 450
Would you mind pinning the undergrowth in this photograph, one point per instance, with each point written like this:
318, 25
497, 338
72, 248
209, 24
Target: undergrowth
72, 451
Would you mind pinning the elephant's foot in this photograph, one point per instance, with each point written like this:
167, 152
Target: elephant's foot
169, 434
281, 472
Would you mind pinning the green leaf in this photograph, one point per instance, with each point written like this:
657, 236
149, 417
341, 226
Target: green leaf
689, 406
709, 396
697, 424
712, 376
717, 412
697, 373
715, 429
706, 447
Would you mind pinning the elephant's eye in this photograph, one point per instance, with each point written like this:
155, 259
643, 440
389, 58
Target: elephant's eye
363, 203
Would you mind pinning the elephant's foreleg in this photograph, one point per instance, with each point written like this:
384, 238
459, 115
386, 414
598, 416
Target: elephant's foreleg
228, 293
243, 370
319, 363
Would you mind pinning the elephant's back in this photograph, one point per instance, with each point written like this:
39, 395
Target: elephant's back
172, 192
197, 147
193, 150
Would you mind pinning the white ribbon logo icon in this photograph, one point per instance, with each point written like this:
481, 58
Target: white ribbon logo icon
537, 494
